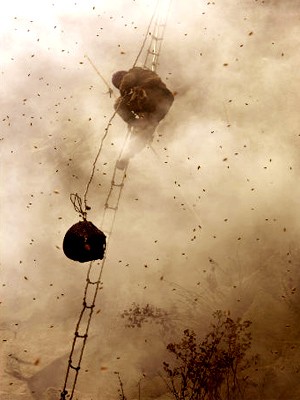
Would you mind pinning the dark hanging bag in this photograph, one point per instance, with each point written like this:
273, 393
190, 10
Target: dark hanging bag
84, 242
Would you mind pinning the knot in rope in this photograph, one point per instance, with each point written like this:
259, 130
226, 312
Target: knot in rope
78, 205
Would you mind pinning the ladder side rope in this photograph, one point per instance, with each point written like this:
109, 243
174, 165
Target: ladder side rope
159, 44
79, 335
151, 51
154, 48
82, 334
116, 183
157, 37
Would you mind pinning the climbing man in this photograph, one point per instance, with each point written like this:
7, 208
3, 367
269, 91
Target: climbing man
144, 102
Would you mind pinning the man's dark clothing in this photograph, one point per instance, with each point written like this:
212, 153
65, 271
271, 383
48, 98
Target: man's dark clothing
144, 102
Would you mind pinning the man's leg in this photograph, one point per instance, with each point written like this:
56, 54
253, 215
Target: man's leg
138, 140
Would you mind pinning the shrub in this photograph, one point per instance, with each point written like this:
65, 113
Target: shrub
213, 369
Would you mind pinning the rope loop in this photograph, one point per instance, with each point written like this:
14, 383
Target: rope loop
78, 205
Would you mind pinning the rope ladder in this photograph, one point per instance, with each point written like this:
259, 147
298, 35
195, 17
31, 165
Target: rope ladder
95, 270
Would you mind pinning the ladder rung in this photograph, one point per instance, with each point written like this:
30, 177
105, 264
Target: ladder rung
118, 184
76, 368
81, 336
92, 282
157, 38
110, 207
90, 307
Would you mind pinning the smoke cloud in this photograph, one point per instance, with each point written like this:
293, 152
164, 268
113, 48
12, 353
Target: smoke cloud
208, 217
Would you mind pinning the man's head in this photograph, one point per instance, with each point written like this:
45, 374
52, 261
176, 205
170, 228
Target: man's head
117, 78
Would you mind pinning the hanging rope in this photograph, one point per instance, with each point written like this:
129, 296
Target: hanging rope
80, 206
96, 159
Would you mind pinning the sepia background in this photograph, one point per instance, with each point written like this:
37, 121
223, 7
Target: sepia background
208, 217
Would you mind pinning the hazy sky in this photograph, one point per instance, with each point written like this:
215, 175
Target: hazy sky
208, 217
